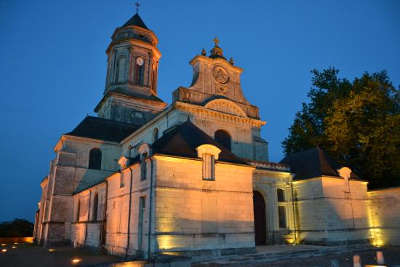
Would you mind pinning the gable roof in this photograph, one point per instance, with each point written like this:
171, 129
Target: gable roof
311, 163
182, 140
136, 20
103, 129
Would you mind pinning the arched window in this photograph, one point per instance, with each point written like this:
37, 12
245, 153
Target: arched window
121, 69
223, 138
95, 206
139, 71
95, 159
155, 134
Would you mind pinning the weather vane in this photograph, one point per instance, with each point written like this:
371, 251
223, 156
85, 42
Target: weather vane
137, 4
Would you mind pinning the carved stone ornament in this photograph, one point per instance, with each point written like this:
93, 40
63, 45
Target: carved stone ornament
220, 75
222, 89
225, 106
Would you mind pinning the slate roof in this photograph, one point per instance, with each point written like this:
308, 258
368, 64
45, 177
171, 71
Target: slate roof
103, 129
136, 20
91, 178
312, 163
95, 177
183, 139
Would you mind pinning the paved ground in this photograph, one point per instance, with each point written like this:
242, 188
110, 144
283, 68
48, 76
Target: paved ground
274, 256
28, 255
306, 256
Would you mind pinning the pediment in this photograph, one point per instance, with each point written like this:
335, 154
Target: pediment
225, 106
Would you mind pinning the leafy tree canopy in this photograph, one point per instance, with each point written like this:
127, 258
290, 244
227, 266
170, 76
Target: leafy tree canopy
16, 228
357, 123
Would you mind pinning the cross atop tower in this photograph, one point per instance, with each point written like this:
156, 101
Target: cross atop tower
137, 4
216, 41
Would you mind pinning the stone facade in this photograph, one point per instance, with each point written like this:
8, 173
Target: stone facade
194, 177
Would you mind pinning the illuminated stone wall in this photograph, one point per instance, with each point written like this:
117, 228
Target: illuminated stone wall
86, 228
67, 171
246, 140
195, 214
384, 216
121, 200
327, 211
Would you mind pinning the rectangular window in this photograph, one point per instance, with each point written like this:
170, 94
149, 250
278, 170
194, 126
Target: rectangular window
281, 195
142, 206
282, 216
143, 170
208, 167
121, 179
78, 210
143, 167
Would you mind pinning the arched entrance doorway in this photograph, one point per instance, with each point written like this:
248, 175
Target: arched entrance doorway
260, 223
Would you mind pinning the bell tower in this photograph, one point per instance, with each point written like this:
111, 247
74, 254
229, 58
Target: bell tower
130, 93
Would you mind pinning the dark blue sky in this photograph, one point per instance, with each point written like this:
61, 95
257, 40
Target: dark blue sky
53, 64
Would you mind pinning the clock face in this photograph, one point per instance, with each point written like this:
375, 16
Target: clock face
220, 75
139, 61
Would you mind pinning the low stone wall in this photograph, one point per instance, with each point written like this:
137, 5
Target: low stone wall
8, 240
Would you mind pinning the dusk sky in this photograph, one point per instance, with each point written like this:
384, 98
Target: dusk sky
53, 64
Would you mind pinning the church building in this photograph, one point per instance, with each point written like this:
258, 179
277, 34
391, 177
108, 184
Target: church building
144, 177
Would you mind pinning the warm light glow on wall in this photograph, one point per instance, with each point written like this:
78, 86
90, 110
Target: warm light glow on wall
166, 242
376, 235
291, 239
28, 240
173, 159
130, 264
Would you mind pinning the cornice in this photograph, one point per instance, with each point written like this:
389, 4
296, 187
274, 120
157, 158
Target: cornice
208, 113
132, 42
112, 93
65, 137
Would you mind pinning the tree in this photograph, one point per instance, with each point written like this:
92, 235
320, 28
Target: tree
16, 228
357, 123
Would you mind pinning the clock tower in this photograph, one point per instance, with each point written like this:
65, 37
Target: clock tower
130, 93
